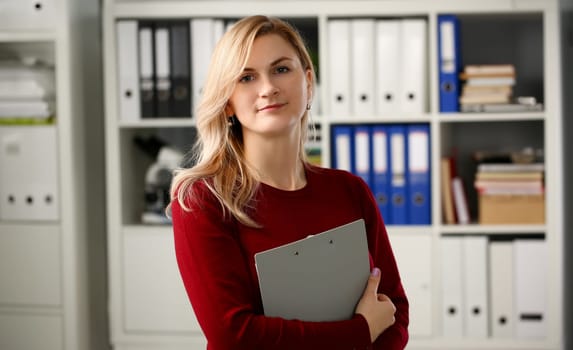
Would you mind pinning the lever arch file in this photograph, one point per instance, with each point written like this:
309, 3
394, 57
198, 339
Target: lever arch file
318, 278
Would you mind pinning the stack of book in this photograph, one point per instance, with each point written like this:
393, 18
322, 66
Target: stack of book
26, 93
486, 85
512, 178
511, 193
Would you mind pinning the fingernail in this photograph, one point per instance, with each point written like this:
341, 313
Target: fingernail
375, 272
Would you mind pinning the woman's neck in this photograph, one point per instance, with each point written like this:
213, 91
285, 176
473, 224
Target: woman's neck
278, 163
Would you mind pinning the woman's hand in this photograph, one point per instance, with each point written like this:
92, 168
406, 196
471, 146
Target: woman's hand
377, 309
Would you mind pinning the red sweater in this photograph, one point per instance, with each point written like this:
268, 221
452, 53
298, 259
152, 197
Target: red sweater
216, 260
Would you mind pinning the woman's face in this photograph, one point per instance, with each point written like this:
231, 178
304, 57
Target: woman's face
271, 95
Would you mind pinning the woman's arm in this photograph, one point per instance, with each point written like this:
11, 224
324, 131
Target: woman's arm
215, 273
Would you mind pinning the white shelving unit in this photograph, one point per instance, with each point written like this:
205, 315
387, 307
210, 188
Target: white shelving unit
148, 306
53, 272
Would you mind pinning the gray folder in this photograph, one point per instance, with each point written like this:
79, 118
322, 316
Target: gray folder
318, 278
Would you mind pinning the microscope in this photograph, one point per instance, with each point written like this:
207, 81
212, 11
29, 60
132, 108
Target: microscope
158, 177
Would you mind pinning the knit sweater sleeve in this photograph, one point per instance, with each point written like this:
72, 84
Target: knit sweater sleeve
216, 278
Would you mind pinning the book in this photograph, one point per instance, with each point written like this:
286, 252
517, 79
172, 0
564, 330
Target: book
511, 167
460, 201
476, 69
447, 196
470, 90
490, 81
501, 108
485, 98
510, 175
319, 278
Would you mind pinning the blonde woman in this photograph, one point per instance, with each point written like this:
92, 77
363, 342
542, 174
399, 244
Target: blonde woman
252, 189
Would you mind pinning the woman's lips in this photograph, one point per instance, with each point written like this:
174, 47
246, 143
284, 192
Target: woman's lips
271, 107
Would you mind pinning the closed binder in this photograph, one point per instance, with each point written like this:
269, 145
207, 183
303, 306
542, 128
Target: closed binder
452, 287
398, 175
128, 70
413, 71
342, 148
363, 44
419, 182
202, 39
530, 288
449, 61
339, 67
474, 262
218, 31
147, 69
180, 104
381, 171
387, 66
162, 69
501, 288
414, 259
362, 156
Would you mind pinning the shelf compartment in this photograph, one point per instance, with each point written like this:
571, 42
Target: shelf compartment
135, 163
462, 140
518, 41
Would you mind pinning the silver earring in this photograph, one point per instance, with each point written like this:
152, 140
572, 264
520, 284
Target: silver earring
308, 106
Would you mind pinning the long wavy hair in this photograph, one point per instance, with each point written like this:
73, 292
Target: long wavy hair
219, 158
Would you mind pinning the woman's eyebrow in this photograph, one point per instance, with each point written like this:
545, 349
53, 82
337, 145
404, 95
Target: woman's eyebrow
278, 60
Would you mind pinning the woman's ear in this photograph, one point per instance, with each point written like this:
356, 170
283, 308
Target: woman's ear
228, 110
309, 85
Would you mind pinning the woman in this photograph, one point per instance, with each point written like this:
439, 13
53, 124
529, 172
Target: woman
251, 190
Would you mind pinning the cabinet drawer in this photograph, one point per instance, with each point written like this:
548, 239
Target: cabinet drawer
30, 262
27, 332
155, 299
27, 14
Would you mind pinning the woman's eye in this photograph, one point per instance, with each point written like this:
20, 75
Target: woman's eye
282, 69
246, 78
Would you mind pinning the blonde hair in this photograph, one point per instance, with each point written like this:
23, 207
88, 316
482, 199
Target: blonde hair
220, 162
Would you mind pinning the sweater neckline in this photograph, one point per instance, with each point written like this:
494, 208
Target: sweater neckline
288, 193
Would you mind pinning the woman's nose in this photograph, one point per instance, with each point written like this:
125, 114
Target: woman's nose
268, 87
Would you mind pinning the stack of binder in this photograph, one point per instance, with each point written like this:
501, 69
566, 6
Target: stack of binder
493, 288
394, 160
377, 66
162, 65
26, 93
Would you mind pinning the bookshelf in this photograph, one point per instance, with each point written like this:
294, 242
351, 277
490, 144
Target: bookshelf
53, 276
145, 314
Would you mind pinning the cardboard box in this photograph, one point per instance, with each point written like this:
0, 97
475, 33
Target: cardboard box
512, 209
